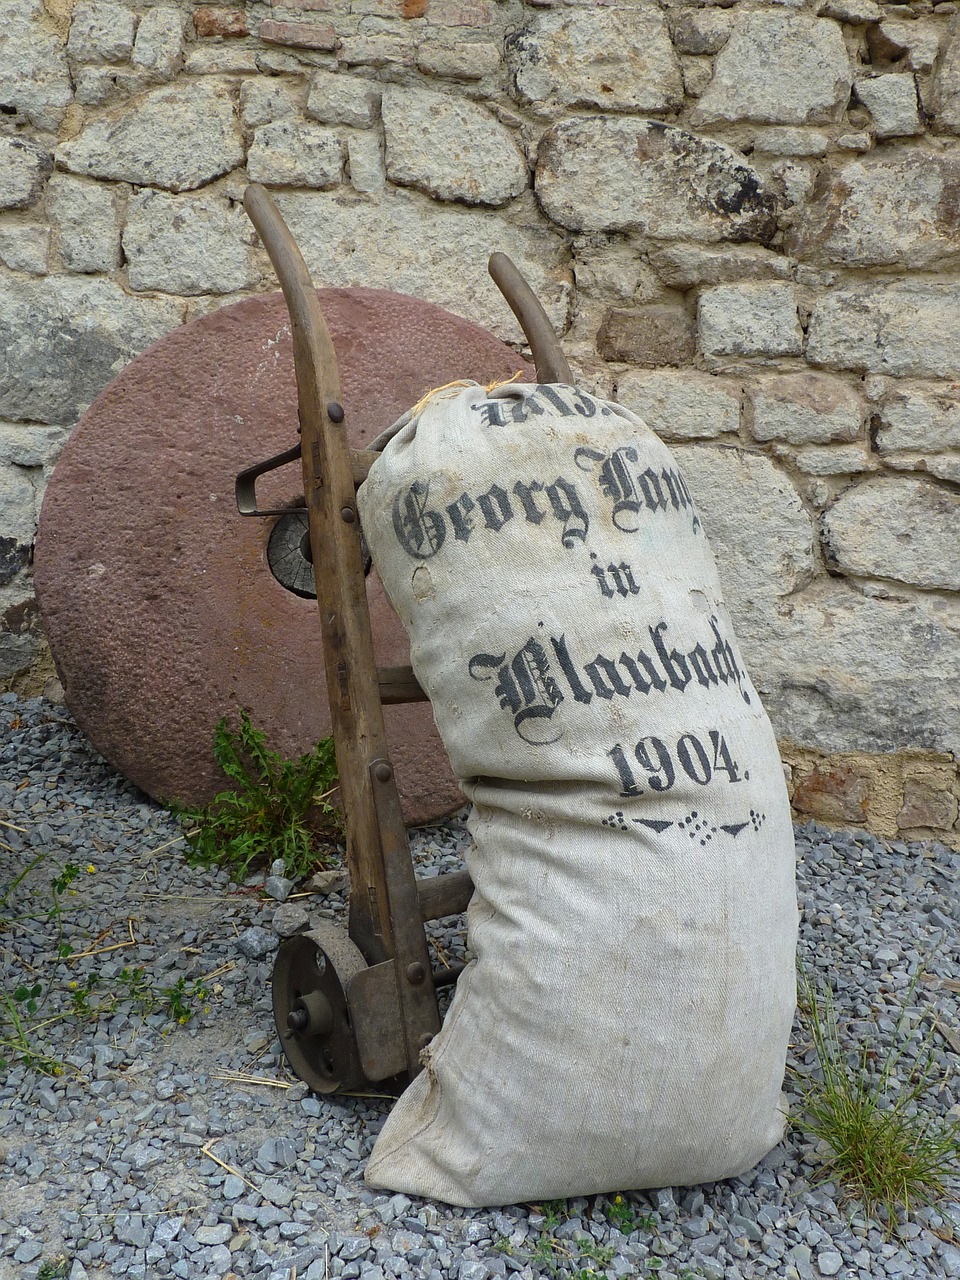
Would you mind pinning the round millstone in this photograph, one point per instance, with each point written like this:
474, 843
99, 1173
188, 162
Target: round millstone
158, 599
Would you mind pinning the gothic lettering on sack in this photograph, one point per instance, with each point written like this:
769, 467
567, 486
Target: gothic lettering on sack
615, 579
507, 411
422, 530
632, 492
534, 681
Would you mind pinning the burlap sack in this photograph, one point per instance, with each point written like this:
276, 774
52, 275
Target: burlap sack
625, 1022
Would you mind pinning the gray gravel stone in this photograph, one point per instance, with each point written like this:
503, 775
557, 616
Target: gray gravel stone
278, 887
256, 942
146, 1083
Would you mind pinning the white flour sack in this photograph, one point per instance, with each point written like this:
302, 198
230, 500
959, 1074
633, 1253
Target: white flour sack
625, 1021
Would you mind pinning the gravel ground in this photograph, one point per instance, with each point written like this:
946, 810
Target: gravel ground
175, 1143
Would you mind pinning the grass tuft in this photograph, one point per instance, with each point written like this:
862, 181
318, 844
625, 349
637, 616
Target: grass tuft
868, 1107
277, 808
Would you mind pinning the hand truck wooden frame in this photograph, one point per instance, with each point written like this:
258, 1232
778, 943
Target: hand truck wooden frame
357, 1006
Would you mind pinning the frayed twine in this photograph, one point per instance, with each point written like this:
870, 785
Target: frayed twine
451, 388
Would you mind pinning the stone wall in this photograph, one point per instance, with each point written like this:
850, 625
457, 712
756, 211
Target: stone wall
743, 218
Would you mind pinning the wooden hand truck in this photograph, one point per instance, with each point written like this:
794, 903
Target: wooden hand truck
356, 1007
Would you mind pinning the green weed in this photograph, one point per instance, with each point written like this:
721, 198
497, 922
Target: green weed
178, 999
884, 1147
551, 1253
622, 1215
33, 1014
58, 1269
277, 808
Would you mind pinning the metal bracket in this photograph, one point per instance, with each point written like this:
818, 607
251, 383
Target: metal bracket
374, 1002
245, 485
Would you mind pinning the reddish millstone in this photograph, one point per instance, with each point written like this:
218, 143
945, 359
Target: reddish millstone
157, 601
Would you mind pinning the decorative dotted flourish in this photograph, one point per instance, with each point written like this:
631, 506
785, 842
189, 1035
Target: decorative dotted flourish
615, 820
757, 819
698, 828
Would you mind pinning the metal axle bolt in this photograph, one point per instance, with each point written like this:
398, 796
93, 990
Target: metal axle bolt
297, 1019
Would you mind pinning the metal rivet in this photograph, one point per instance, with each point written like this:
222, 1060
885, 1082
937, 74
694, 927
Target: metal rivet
416, 973
383, 772
348, 515
335, 411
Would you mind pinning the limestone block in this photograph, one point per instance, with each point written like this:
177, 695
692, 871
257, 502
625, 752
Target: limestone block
221, 60
917, 43
928, 801
187, 244
23, 168
159, 43
460, 61
436, 253
34, 77
749, 320
267, 98
896, 527
365, 162
654, 335
25, 247
96, 85
608, 173
101, 31
942, 466
376, 51
856, 11
793, 181
682, 266
784, 140
19, 641
682, 405
287, 153
176, 137
761, 535
613, 269
700, 31
835, 460
905, 329
839, 670
620, 59
32, 446
883, 210
892, 101
450, 148
927, 421
945, 97
343, 99
83, 215
300, 35
804, 408
778, 68
63, 338
862, 141
18, 520
697, 74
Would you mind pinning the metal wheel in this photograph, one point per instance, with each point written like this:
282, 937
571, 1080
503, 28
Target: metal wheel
310, 1008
